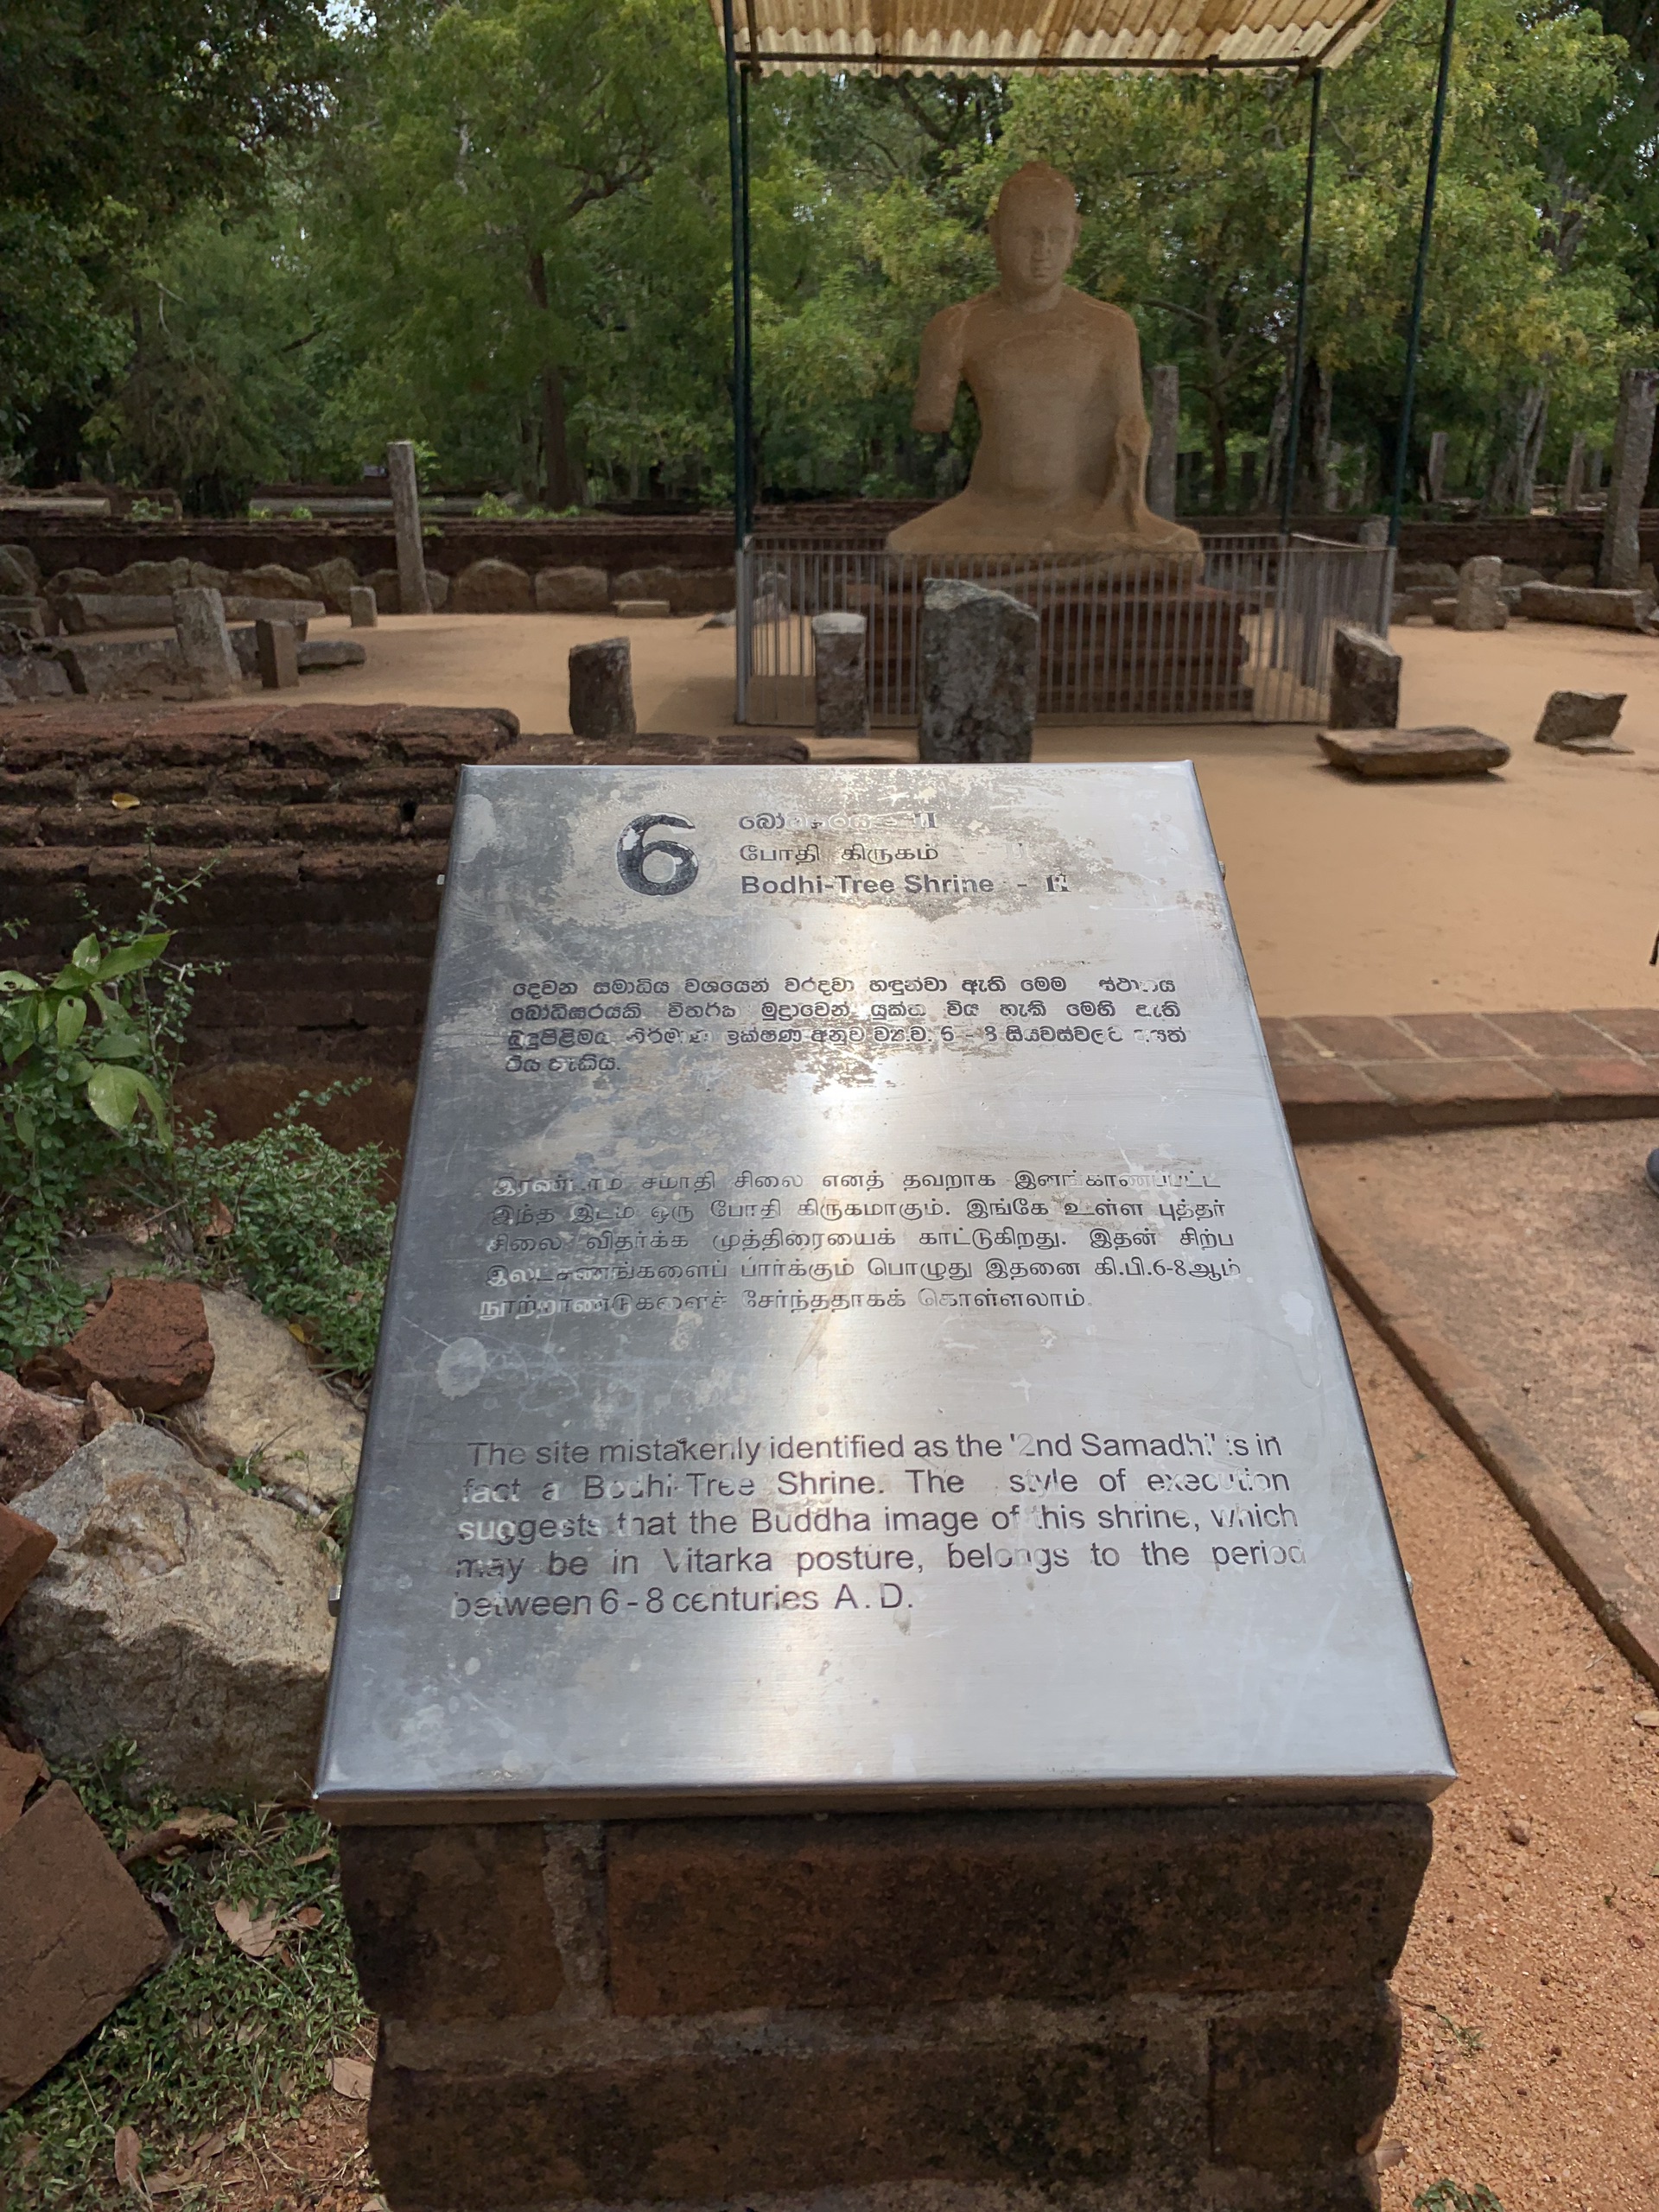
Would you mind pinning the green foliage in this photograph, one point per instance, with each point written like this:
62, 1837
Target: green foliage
86, 1059
309, 1235
1447, 2196
215, 2040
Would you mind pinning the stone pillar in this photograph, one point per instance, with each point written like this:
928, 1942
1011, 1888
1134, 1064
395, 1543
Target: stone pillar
1479, 607
1165, 437
841, 691
1436, 470
1157, 2008
1592, 470
1572, 490
276, 654
1365, 681
360, 605
601, 688
204, 640
1374, 532
413, 597
1620, 564
979, 674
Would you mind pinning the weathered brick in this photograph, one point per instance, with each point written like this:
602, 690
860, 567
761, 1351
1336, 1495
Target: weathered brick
25, 870
19, 825
451, 1922
184, 748
1553, 1036
434, 821
391, 782
332, 749
714, 1916
1299, 2081
25, 1548
1362, 1037
38, 783
1459, 1036
389, 865
278, 786
338, 824
1636, 1027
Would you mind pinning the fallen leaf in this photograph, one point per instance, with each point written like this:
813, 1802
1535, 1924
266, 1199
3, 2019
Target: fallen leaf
210, 2145
312, 1857
254, 1938
167, 2184
1390, 2154
128, 2151
221, 1221
192, 1826
308, 1915
352, 2077
29, 2149
125, 799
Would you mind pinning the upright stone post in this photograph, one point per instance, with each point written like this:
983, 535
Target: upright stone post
1592, 470
205, 642
1479, 604
276, 654
1436, 470
601, 688
413, 598
1165, 437
360, 605
1365, 681
1572, 490
979, 674
840, 690
1374, 532
1620, 564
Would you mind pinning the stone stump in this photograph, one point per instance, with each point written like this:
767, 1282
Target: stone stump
1365, 681
1165, 437
1100, 2011
205, 640
1571, 714
1479, 605
360, 605
276, 654
841, 687
601, 688
413, 595
979, 661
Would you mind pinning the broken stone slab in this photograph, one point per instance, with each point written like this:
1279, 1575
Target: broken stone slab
26, 615
276, 652
334, 580
978, 674
107, 668
204, 641
19, 571
644, 610
147, 1344
572, 591
1479, 605
176, 1610
1449, 749
1364, 680
267, 1403
37, 1434
330, 652
76, 1937
21, 1772
841, 693
601, 688
31, 676
1604, 610
1571, 714
25, 1547
361, 606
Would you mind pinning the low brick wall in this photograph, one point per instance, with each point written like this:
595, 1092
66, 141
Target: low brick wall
324, 830
1127, 2011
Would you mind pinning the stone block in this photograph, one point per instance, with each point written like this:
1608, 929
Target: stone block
388, 595
361, 606
601, 688
1479, 607
330, 652
1300, 2081
492, 588
978, 674
1385, 755
76, 1937
204, 641
1604, 610
1578, 714
1364, 680
25, 1548
37, 1434
840, 690
19, 570
720, 1916
265, 1398
644, 610
572, 591
1416, 575
238, 607
272, 579
687, 591
82, 613
147, 1344
334, 582
275, 649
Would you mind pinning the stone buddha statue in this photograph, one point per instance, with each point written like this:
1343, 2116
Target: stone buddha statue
1061, 466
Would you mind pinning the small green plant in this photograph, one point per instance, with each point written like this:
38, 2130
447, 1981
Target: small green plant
1447, 2196
1469, 2040
493, 508
258, 514
149, 510
301, 514
218, 2038
310, 1234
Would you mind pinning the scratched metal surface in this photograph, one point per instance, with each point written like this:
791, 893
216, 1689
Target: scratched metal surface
898, 1371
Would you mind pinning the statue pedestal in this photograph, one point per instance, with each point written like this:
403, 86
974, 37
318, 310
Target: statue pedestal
1141, 640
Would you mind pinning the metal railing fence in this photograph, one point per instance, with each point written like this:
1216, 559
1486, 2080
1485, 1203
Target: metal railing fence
1242, 635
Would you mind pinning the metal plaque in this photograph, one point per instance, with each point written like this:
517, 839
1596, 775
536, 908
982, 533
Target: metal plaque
854, 1335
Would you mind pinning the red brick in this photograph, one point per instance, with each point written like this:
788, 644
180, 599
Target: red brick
25, 1548
38, 783
1328, 1099
76, 1937
1362, 1037
148, 1342
159, 786
1629, 1084
451, 1922
389, 864
391, 782
434, 820
177, 746
1556, 1036
1635, 1027
1286, 1041
37, 1434
279, 786
1447, 1094
463, 751
1298, 2082
33, 865
19, 825
325, 748
339, 823
1459, 1036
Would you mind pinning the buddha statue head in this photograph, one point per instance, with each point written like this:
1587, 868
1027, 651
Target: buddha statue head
1035, 229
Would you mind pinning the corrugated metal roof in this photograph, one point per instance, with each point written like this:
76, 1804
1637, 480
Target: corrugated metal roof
896, 37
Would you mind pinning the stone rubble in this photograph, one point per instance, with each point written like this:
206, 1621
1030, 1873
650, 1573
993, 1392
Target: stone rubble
1387, 755
37, 1434
1572, 714
266, 1401
147, 1344
25, 1547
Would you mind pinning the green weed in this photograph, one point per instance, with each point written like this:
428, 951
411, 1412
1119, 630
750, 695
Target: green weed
1447, 2196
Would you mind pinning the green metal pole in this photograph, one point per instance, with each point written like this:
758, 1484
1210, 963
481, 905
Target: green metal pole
1414, 327
1292, 438
739, 305
751, 469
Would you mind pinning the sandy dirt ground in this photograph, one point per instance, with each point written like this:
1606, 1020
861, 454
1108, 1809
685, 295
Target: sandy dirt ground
1536, 888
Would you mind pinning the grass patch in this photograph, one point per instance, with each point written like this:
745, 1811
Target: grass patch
215, 2038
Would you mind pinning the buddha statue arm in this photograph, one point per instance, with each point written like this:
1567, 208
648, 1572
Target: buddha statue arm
940, 373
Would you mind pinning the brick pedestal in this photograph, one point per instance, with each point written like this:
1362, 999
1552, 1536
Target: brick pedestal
1127, 2011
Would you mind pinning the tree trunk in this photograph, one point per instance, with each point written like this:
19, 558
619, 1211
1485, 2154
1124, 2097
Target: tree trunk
563, 482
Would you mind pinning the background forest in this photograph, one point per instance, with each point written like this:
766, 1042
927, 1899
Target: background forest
245, 240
